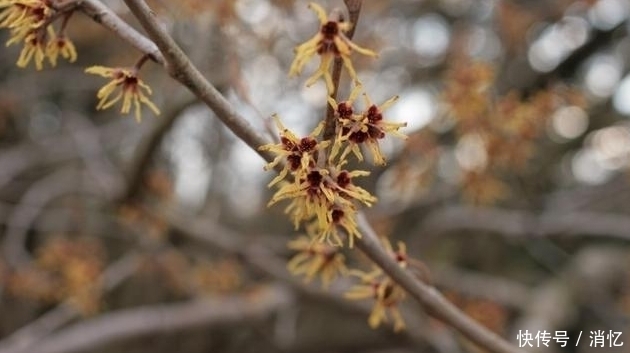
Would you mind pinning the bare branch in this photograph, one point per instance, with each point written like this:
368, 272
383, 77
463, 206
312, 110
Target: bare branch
89, 146
164, 319
181, 69
103, 15
521, 223
59, 183
55, 149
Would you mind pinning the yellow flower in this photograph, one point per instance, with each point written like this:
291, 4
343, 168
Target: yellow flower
387, 296
24, 14
132, 90
327, 197
299, 152
312, 195
30, 23
399, 255
314, 258
340, 217
329, 43
345, 188
34, 48
61, 46
363, 129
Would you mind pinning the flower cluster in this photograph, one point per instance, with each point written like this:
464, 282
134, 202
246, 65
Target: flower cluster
321, 195
315, 179
30, 22
365, 128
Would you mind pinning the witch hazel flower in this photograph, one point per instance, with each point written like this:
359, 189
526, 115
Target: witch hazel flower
296, 153
329, 43
30, 22
131, 90
316, 259
387, 296
363, 129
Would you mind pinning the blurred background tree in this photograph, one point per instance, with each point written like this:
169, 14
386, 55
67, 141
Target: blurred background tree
512, 187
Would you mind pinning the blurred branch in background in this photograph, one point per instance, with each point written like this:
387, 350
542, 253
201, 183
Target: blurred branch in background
524, 224
117, 326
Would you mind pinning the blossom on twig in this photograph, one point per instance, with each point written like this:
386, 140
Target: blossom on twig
30, 23
61, 45
387, 296
297, 153
316, 259
366, 128
329, 43
133, 91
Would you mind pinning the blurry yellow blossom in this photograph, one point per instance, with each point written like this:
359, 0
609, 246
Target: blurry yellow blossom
30, 23
386, 294
132, 90
61, 45
34, 48
316, 259
22, 15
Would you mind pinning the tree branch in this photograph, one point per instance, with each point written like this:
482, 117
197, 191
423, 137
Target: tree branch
184, 71
148, 146
521, 223
58, 183
435, 304
165, 319
103, 15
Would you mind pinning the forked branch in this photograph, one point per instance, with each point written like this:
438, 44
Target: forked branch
182, 69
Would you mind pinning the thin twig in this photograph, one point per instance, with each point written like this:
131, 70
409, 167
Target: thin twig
354, 9
91, 149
